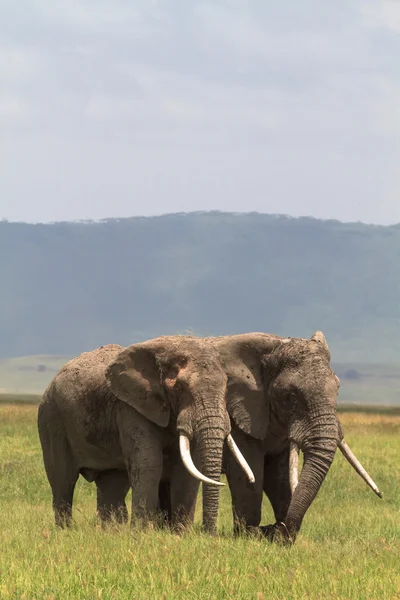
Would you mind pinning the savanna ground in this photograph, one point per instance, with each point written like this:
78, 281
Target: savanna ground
349, 545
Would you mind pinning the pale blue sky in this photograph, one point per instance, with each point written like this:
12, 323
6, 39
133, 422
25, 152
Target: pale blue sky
117, 108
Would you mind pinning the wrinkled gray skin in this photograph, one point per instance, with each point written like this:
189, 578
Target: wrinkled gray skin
113, 415
278, 390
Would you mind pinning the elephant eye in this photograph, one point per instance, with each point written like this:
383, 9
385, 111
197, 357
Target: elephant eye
290, 401
293, 399
170, 382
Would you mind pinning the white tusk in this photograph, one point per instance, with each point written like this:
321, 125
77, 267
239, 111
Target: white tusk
355, 463
184, 447
240, 458
293, 466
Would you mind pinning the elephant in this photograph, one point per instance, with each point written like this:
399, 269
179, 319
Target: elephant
281, 397
128, 417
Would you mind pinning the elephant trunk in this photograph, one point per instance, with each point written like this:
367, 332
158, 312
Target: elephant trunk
210, 442
319, 445
184, 447
203, 429
206, 425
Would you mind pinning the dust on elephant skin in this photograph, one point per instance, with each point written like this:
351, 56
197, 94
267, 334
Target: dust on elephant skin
116, 415
281, 397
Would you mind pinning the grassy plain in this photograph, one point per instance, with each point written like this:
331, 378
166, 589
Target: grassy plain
348, 548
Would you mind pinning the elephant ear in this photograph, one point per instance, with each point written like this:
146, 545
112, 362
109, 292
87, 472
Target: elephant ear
246, 401
319, 337
248, 408
135, 378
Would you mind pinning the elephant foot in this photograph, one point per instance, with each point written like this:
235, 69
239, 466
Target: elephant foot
181, 528
112, 516
240, 529
278, 533
253, 532
211, 531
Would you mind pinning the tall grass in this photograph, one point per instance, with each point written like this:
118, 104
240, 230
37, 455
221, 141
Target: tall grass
349, 545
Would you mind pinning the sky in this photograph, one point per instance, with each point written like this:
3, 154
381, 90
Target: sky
114, 108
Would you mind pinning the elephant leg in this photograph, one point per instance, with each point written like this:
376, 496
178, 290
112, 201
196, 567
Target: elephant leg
276, 483
61, 470
246, 496
63, 493
164, 500
184, 492
63, 483
112, 488
145, 477
142, 447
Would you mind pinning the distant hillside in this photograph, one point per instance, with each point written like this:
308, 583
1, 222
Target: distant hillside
69, 287
361, 383
29, 374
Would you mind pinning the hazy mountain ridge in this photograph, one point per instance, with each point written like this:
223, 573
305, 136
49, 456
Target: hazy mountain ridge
69, 287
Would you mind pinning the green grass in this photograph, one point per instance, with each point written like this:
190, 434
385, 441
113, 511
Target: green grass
349, 545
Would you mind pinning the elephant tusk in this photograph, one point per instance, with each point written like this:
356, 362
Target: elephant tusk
240, 458
184, 447
293, 466
355, 463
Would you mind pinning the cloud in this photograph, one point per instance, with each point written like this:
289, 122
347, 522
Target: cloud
276, 106
17, 65
382, 14
386, 108
13, 109
110, 108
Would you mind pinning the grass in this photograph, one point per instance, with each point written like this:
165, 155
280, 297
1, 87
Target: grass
349, 545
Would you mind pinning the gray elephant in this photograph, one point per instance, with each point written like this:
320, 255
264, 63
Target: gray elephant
281, 396
129, 417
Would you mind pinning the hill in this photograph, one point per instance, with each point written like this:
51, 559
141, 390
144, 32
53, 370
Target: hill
367, 385
69, 287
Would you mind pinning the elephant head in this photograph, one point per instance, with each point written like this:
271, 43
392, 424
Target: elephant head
178, 382
284, 391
